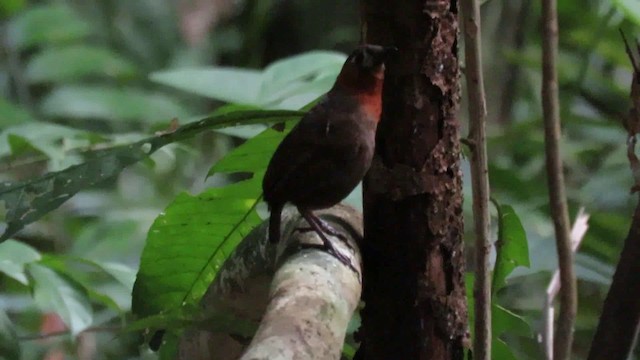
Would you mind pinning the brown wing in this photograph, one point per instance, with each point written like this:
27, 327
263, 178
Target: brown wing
296, 149
314, 166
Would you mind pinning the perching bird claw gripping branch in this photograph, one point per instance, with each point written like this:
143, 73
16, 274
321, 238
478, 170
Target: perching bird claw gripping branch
303, 299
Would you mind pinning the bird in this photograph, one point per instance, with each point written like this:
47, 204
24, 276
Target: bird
328, 152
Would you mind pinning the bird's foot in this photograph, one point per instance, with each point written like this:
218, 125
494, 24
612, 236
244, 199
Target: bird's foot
317, 225
328, 247
327, 230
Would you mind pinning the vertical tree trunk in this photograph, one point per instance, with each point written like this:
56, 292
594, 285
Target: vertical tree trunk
618, 327
414, 293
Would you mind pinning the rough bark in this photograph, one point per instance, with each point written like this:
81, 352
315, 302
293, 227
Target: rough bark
415, 306
618, 326
303, 299
619, 323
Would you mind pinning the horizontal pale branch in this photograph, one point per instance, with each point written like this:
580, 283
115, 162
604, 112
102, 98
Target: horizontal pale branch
303, 298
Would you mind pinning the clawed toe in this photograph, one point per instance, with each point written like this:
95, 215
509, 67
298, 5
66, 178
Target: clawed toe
331, 250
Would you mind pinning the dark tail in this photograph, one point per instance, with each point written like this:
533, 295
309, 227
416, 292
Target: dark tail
274, 224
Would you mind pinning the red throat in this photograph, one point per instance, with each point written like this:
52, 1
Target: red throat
371, 103
367, 87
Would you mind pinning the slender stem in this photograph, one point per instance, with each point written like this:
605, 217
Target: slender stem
557, 198
479, 179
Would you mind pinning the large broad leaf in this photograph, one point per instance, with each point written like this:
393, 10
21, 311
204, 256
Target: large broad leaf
28, 201
299, 68
188, 243
54, 293
222, 83
14, 256
502, 321
50, 24
285, 84
9, 346
311, 73
505, 321
512, 249
76, 62
253, 155
111, 103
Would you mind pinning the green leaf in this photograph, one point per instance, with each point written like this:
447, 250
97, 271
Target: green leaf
301, 67
55, 293
48, 139
191, 315
188, 243
76, 62
505, 321
500, 350
9, 346
241, 131
286, 84
20, 146
176, 267
110, 103
254, 154
9, 7
512, 249
630, 8
14, 256
169, 348
502, 321
302, 93
50, 24
81, 277
11, 114
224, 83
28, 201
312, 72
125, 275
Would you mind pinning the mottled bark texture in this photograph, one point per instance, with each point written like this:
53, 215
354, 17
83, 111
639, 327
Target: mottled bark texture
302, 299
415, 306
618, 326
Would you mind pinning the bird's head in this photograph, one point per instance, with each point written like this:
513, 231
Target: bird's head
363, 71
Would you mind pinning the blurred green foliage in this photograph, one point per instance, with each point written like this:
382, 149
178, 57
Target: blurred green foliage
89, 88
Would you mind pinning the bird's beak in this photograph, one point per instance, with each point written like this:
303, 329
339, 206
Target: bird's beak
390, 51
384, 53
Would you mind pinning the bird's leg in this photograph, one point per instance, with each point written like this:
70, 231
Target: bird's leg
327, 245
324, 227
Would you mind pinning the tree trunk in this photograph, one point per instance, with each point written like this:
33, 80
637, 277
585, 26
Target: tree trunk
414, 292
618, 327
